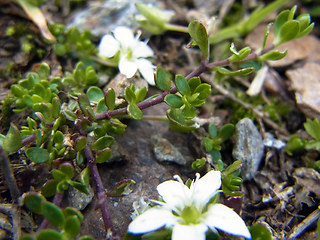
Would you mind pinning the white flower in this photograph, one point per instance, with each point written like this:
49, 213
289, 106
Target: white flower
187, 211
133, 53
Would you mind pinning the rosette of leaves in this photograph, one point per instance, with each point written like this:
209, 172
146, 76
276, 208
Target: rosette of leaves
36, 90
212, 143
80, 79
62, 179
67, 221
231, 181
133, 96
296, 144
192, 94
286, 28
72, 41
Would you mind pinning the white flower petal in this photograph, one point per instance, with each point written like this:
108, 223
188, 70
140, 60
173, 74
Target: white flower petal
142, 50
205, 188
224, 218
125, 37
189, 232
174, 193
146, 68
108, 46
151, 220
126, 67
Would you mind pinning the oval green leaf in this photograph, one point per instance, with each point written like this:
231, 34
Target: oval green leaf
37, 154
173, 100
162, 79
49, 234
72, 227
95, 94
34, 202
199, 34
182, 85
53, 214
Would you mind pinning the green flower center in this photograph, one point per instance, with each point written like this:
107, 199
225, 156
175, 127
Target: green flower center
129, 54
190, 215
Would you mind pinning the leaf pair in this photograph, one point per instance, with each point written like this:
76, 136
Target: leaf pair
193, 94
62, 179
133, 96
67, 220
286, 28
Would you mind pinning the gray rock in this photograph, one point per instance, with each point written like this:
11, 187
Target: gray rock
78, 199
102, 17
165, 152
248, 148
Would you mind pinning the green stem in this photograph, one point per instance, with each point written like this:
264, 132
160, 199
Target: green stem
177, 28
155, 118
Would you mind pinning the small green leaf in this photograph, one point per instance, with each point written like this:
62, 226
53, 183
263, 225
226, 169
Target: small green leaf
17, 90
56, 105
173, 100
226, 131
273, 56
83, 102
189, 112
182, 85
213, 131
134, 111
110, 98
95, 94
280, 20
44, 71
79, 186
81, 143
62, 186
129, 95
208, 143
49, 234
200, 162
85, 176
34, 202
204, 90
153, 14
178, 123
194, 82
199, 34
27, 237
260, 232
67, 169
12, 141
121, 189
72, 227
85, 237
101, 107
53, 214
241, 72
288, 32
242, 54
69, 115
58, 137
140, 94
70, 211
58, 175
305, 31
162, 79
102, 142
37, 154
313, 128
49, 188
235, 166
45, 109
104, 155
